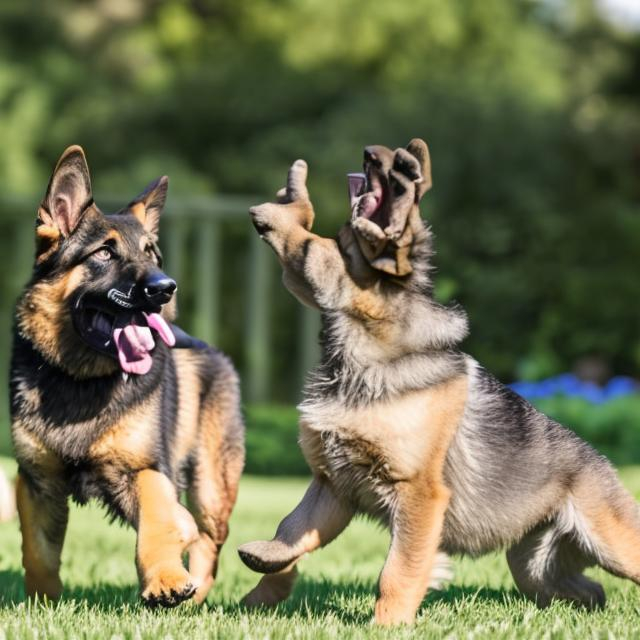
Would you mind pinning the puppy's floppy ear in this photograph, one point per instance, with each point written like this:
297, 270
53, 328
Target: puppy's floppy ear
68, 194
418, 148
148, 206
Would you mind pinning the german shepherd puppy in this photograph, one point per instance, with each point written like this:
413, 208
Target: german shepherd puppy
103, 408
398, 424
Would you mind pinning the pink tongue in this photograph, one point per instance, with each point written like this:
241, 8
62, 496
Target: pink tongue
135, 342
157, 322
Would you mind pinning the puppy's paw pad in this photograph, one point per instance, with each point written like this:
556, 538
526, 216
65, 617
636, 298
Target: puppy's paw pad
266, 556
168, 589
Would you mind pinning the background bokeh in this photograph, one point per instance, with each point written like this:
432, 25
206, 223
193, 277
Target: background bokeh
531, 110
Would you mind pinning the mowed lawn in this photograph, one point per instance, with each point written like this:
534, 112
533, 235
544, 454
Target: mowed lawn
334, 597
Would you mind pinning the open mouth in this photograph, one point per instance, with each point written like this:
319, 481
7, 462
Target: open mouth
367, 196
125, 335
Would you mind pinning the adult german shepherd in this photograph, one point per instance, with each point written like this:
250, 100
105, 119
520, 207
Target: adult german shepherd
399, 424
103, 408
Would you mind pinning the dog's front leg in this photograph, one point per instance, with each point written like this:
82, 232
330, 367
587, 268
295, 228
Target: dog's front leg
165, 530
415, 534
313, 268
315, 522
43, 522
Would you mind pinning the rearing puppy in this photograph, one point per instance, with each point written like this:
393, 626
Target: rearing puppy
399, 424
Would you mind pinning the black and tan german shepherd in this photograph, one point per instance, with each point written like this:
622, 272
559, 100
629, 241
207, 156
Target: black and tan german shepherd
102, 407
398, 423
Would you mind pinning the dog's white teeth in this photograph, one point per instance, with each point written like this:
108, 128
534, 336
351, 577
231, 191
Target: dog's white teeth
125, 376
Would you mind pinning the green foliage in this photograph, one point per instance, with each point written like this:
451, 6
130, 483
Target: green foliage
272, 441
334, 596
612, 427
530, 108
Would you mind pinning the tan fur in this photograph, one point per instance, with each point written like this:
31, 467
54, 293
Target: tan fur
139, 211
409, 434
165, 530
127, 445
42, 538
615, 525
28, 446
47, 241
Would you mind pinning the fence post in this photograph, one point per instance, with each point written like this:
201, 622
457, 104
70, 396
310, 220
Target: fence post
258, 321
174, 239
207, 278
20, 259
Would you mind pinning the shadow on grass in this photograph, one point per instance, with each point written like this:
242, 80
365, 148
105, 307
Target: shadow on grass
311, 598
344, 599
100, 596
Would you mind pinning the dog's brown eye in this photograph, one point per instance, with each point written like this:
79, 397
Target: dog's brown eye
104, 254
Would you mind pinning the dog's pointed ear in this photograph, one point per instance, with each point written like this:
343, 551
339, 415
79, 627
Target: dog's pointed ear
68, 194
419, 150
148, 206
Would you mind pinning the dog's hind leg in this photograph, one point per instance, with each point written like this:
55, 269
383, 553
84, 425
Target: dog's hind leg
315, 522
547, 564
213, 490
43, 521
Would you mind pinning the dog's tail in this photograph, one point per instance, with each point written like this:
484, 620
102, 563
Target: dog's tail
607, 522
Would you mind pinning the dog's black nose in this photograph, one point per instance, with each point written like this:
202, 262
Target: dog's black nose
158, 288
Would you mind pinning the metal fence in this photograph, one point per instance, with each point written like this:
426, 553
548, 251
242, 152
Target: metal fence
195, 238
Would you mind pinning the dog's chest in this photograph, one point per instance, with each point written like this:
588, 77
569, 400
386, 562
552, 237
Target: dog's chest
365, 451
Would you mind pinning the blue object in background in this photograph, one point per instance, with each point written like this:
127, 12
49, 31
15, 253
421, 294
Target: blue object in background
567, 384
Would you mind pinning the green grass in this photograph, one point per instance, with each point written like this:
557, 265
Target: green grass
334, 597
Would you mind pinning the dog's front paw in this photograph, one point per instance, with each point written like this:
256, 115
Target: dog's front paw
43, 585
167, 587
264, 218
266, 556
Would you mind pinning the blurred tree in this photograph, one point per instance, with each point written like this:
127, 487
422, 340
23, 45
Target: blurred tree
530, 109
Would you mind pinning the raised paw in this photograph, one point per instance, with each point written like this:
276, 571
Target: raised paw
168, 588
262, 217
266, 556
